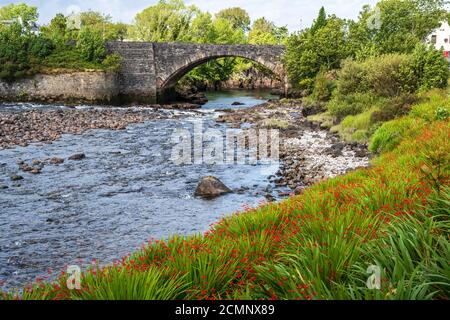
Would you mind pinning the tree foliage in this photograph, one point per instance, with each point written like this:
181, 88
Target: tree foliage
166, 21
392, 26
266, 32
395, 26
14, 11
321, 47
238, 18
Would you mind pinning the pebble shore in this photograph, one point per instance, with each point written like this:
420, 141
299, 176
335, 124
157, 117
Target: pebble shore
308, 154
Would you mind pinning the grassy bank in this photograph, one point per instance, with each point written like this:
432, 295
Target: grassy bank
318, 245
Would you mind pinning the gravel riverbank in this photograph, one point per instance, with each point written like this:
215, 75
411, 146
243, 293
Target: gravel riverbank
308, 153
45, 126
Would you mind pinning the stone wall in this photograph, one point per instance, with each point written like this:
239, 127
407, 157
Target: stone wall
137, 77
74, 87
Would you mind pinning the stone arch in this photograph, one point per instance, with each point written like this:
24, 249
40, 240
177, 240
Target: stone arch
190, 64
185, 57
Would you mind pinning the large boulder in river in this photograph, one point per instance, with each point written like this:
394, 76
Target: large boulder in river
211, 187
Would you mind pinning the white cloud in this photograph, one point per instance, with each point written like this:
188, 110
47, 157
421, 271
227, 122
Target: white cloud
293, 13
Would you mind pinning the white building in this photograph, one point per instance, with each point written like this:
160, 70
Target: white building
440, 38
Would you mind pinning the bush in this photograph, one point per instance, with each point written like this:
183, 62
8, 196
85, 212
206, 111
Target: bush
68, 58
352, 78
391, 133
323, 87
356, 128
430, 67
41, 47
394, 108
341, 106
386, 76
21, 53
390, 75
91, 45
112, 62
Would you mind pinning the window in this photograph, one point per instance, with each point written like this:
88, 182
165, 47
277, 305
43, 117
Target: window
434, 39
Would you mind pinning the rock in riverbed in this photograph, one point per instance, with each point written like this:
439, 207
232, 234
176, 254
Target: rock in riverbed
56, 160
211, 187
16, 177
77, 157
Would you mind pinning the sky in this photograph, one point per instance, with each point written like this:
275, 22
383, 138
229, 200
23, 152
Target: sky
295, 14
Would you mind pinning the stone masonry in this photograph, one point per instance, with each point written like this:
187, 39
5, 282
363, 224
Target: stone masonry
151, 69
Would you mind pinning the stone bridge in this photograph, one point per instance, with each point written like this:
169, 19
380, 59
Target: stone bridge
151, 69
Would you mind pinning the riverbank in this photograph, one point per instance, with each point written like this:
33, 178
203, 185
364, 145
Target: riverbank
308, 153
317, 245
45, 126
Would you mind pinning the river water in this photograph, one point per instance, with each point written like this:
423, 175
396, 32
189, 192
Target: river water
125, 192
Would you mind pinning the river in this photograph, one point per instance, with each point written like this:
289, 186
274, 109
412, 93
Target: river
124, 193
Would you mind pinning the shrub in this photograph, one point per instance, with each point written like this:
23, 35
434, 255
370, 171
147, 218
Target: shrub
394, 108
442, 113
352, 78
356, 128
323, 87
91, 45
391, 133
430, 67
112, 62
21, 53
386, 76
390, 75
41, 47
434, 106
341, 106
69, 58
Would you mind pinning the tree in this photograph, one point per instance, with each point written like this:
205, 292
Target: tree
166, 21
218, 31
238, 18
202, 30
21, 53
311, 50
394, 26
320, 22
22, 11
226, 34
430, 67
91, 45
266, 32
57, 29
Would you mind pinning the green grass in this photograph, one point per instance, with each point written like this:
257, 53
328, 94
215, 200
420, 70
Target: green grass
275, 123
436, 106
318, 245
325, 119
355, 128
